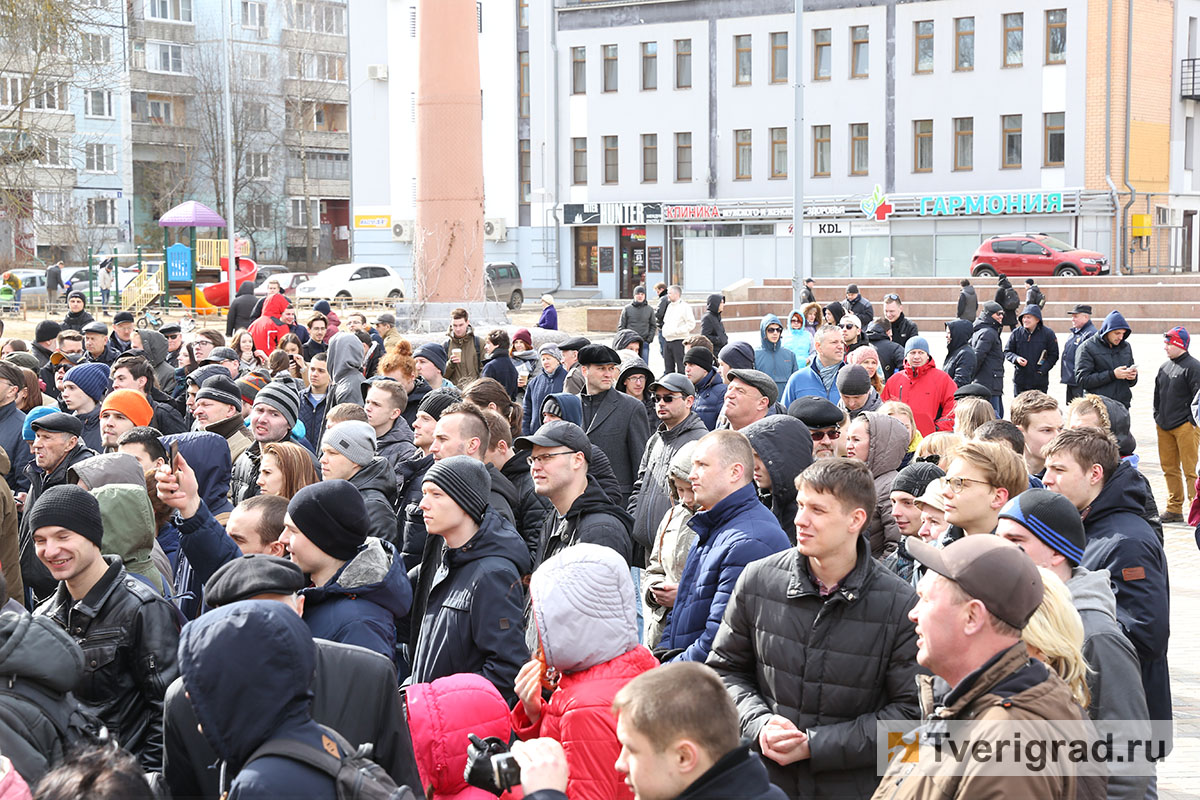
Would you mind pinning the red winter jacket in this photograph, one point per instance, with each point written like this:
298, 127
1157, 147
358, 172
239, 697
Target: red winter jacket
267, 329
928, 391
579, 716
440, 715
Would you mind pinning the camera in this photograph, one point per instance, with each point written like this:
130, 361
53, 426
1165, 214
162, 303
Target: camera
506, 771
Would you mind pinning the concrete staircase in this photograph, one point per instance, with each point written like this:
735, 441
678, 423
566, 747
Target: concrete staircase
1150, 303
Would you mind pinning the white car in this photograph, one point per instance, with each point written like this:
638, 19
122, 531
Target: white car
355, 281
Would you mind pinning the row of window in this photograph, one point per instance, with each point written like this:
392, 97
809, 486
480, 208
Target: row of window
860, 39
743, 144
55, 151
56, 208
963, 132
303, 15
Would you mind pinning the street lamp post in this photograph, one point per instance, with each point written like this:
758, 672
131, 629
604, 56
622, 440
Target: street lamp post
801, 269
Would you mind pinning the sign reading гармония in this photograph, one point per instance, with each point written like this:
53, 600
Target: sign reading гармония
984, 204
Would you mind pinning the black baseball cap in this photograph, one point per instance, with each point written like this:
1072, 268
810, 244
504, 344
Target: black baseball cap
558, 433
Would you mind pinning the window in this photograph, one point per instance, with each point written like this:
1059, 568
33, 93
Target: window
1014, 40
329, 17
820, 151
1054, 143
964, 44
579, 161
923, 145
742, 65
97, 103
578, 70
683, 157
254, 14
258, 165
55, 152
523, 84
779, 57
610, 159
96, 49
822, 41
610, 67
742, 155
101, 211
779, 152
255, 66
1189, 143
683, 63
1056, 36
299, 215
1010, 129
923, 46
860, 51
649, 158
524, 165
649, 66
255, 116
99, 158
162, 112
964, 143
258, 216
171, 10
523, 14
165, 57
859, 150
52, 207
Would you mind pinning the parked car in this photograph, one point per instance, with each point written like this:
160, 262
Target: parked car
1034, 255
503, 280
265, 271
288, 281
353, 281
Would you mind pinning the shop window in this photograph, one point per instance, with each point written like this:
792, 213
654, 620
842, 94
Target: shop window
587, 256
870, 255
912, 256
831, 256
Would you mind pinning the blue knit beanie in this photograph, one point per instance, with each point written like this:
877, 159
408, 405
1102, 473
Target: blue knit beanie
92, 378
916, 343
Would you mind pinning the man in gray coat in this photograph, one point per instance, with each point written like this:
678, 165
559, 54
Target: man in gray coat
613, 421
1047, 526
673, 397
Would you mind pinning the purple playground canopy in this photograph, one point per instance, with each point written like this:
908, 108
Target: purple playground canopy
191, 214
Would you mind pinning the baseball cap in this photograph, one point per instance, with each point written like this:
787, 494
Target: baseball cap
558, 433
674, 382
220, 354
990, 569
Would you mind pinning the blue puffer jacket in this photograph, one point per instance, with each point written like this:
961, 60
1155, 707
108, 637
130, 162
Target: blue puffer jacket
807, 383
363, 601
710, 397
539, 387
734, 532
773, 358
224, 656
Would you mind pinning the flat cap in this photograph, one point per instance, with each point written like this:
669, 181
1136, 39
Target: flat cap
816, 412
759, 380
574, 343
597, 354
252, 575
59, 422
96, 327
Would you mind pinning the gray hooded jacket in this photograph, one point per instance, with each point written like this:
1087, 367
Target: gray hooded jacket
154, 345
889, 443
345, 357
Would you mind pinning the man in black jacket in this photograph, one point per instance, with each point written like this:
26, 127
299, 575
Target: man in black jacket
903, 328
1033, 348
559, 457
468, 599
129, 634
241, 310
354, 689
989, 353
640, 317
530, 509
812, 736
613, 421
858, 305
960, 356
1177, 383
678, 733
711, 324
891, 355
462, 430
1104, 363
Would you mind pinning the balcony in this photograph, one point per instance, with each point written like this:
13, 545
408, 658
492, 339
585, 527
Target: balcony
169, 135
317, 187
1189, 79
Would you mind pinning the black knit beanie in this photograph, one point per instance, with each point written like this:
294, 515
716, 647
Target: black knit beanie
332, 515
438, 401
71, 507
915, 477
465, 480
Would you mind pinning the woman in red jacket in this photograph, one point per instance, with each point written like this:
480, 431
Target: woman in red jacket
927, 390
267, 329
584, 607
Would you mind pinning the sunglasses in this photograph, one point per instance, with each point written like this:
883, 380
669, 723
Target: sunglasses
891, 297
827, 433
667, 398
850, 327
774, 329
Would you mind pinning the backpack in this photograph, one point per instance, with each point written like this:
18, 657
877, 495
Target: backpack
1037, 296
356, 776
1011, 299
77, 728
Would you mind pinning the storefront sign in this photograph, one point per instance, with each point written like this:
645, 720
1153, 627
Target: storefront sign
988, 204
613, 213
372, 221
712, 211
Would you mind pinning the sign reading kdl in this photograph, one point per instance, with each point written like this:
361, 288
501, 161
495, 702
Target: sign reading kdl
830, 229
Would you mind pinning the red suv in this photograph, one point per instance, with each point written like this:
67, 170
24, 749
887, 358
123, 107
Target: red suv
1034, 254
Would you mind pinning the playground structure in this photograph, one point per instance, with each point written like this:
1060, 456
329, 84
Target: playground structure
184, 265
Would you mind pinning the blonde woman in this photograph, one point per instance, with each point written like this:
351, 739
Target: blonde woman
902, 412
1054, 636
936, 446
970, 413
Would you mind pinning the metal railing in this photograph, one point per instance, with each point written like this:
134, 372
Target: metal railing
1189, 79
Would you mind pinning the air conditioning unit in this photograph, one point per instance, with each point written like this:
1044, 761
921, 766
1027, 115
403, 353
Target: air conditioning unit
377, 72
402, 231
495, 230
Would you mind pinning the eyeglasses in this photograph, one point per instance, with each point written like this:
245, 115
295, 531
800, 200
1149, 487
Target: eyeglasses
958, 484
667, 398
827, 433
890, 298
544, 457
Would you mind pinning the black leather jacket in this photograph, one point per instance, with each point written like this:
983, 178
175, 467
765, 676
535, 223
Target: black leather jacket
130, 640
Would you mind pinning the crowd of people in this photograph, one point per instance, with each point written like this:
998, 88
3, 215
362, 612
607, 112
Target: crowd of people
232, 559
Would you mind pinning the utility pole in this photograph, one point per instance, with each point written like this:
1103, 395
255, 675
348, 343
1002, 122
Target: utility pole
801, 269
227, 91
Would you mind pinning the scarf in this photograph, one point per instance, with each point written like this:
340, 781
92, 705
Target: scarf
828, 374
